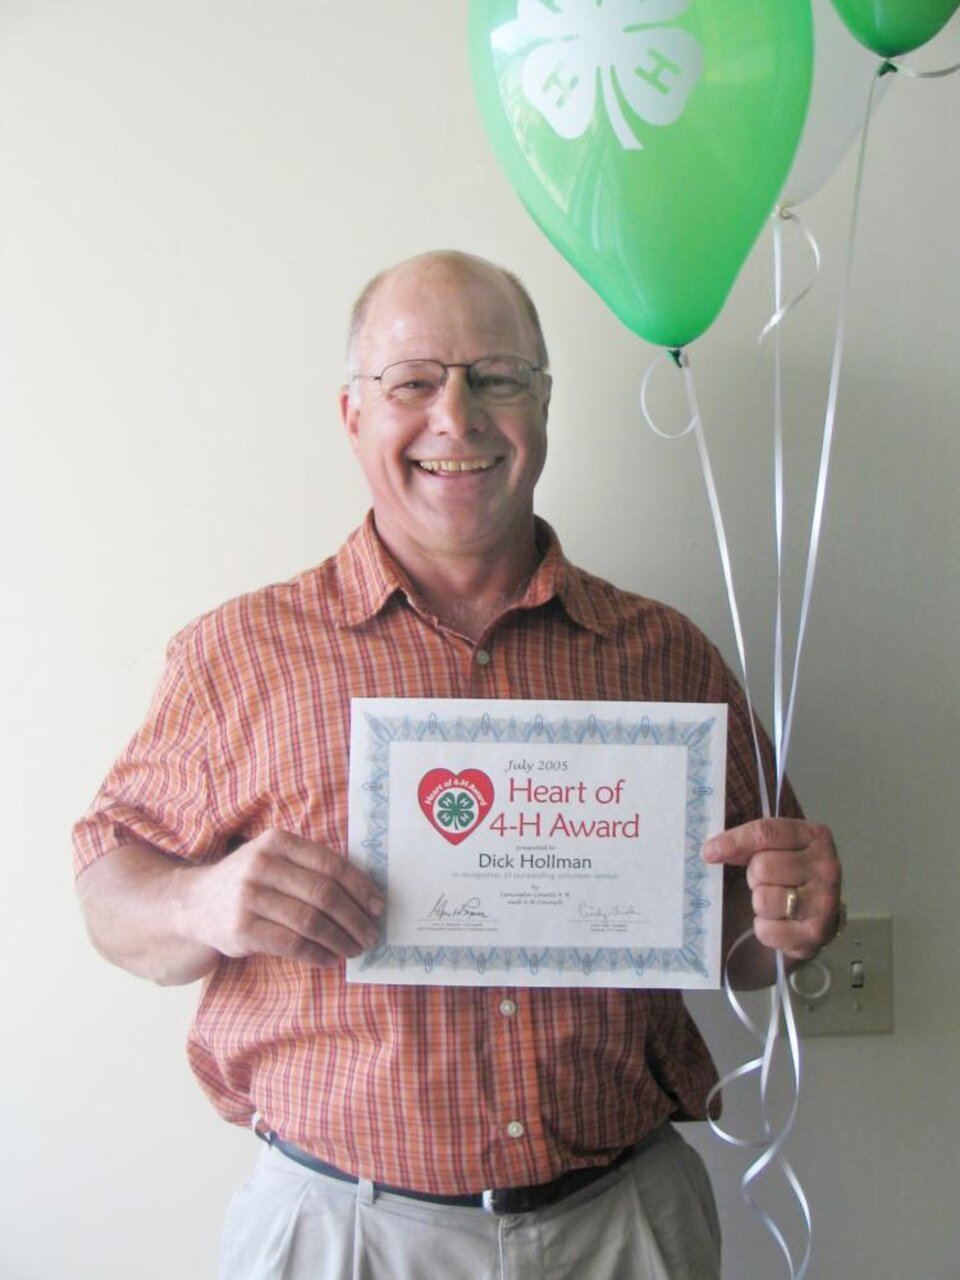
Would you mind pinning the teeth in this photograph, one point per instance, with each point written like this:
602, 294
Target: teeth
438, 464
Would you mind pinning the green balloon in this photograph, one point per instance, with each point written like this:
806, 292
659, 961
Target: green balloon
648, 138
889, 27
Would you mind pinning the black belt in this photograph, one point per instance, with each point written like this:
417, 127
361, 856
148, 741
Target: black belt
500, 1200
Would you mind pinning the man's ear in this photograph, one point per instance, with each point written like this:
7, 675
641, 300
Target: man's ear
349, 414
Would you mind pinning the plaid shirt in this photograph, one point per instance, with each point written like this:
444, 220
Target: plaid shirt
441, 1089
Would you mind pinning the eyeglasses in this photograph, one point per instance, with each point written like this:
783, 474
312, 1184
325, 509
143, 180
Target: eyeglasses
417, 383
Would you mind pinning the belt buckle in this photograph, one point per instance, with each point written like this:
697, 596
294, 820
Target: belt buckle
494, 1201
504, 1200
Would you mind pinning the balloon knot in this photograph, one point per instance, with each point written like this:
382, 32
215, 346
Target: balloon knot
676, 355
888, 68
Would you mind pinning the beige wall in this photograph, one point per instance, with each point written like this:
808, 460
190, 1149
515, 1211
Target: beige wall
190, 194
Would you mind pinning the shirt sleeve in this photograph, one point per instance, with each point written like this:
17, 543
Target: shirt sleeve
158, 790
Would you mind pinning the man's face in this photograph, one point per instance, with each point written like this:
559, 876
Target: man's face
455, 477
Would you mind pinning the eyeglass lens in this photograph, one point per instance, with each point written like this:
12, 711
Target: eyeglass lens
495, 378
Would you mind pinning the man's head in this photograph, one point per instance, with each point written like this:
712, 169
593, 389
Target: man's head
451, 452
358, 314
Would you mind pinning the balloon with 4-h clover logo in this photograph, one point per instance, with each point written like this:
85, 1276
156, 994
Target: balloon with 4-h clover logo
891, 27
648, 138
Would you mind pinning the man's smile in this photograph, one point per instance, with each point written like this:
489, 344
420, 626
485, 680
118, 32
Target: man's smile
448, 465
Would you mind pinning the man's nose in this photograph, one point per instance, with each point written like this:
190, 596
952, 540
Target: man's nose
456, 410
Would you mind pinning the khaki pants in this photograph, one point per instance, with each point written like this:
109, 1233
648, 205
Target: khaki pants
654, 1218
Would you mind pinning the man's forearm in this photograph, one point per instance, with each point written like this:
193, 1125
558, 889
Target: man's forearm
137, 906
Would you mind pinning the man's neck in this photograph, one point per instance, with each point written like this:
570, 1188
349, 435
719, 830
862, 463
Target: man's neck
469, 591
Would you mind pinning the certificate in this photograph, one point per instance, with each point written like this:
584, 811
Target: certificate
551, 844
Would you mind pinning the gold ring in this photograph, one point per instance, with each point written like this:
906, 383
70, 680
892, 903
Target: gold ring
793, 897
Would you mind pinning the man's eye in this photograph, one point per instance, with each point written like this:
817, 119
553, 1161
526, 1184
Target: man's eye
498, 384
414, 387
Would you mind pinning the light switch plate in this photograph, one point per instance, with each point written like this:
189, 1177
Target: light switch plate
826, 998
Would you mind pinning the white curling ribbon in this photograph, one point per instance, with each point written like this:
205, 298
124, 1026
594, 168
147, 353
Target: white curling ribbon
831, 412
772, 1143
724, 549
782, 217
778, 491
826, 448
771, 1147
676, 356
912, 74
695, 425
783, 731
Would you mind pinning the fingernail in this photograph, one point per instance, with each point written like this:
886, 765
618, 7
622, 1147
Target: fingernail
376, 907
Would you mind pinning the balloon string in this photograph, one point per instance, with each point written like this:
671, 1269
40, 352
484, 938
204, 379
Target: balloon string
784, 214
772, 1142
911, 73
779, 313
677, 356
816, 524
695, 425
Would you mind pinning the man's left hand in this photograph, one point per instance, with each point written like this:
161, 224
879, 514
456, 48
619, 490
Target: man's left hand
793, 874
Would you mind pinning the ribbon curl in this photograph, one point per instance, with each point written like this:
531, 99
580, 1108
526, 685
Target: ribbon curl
773, 1141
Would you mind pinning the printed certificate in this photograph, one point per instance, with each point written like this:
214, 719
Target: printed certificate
552, 844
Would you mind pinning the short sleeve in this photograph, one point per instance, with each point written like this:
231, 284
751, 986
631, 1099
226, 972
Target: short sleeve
158, 789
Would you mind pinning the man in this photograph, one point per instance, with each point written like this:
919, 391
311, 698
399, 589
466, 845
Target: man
424, 1131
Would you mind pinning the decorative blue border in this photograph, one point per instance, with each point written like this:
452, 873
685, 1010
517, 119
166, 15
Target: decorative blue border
696, 735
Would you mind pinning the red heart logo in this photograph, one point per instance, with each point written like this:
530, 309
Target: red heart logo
455, 803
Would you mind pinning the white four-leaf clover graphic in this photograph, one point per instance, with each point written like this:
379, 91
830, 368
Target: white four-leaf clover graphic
621, 44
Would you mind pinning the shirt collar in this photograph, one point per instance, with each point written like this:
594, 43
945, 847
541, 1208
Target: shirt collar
370, 577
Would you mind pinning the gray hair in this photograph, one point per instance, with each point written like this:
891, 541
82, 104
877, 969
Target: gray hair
361, 308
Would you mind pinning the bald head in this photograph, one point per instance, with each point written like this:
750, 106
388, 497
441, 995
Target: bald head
442, 264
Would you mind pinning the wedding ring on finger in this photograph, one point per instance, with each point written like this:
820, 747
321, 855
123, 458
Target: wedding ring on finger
793, 899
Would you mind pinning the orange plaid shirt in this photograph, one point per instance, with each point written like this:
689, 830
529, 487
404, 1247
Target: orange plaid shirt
440, 1089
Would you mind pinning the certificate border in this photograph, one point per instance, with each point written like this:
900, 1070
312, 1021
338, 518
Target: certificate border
657, 964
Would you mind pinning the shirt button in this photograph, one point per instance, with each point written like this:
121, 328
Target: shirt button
515, 1129
508, 1008
483, 657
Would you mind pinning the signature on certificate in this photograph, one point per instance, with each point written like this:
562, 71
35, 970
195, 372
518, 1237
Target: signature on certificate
620, 912
444, 909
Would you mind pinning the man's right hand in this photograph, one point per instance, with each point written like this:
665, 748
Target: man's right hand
282, 895
279, 894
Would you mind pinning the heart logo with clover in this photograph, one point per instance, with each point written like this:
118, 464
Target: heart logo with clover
455, 804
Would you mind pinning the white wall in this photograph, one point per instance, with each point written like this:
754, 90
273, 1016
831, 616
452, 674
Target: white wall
190, 195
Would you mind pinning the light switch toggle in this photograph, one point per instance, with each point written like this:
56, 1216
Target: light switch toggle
848, 988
